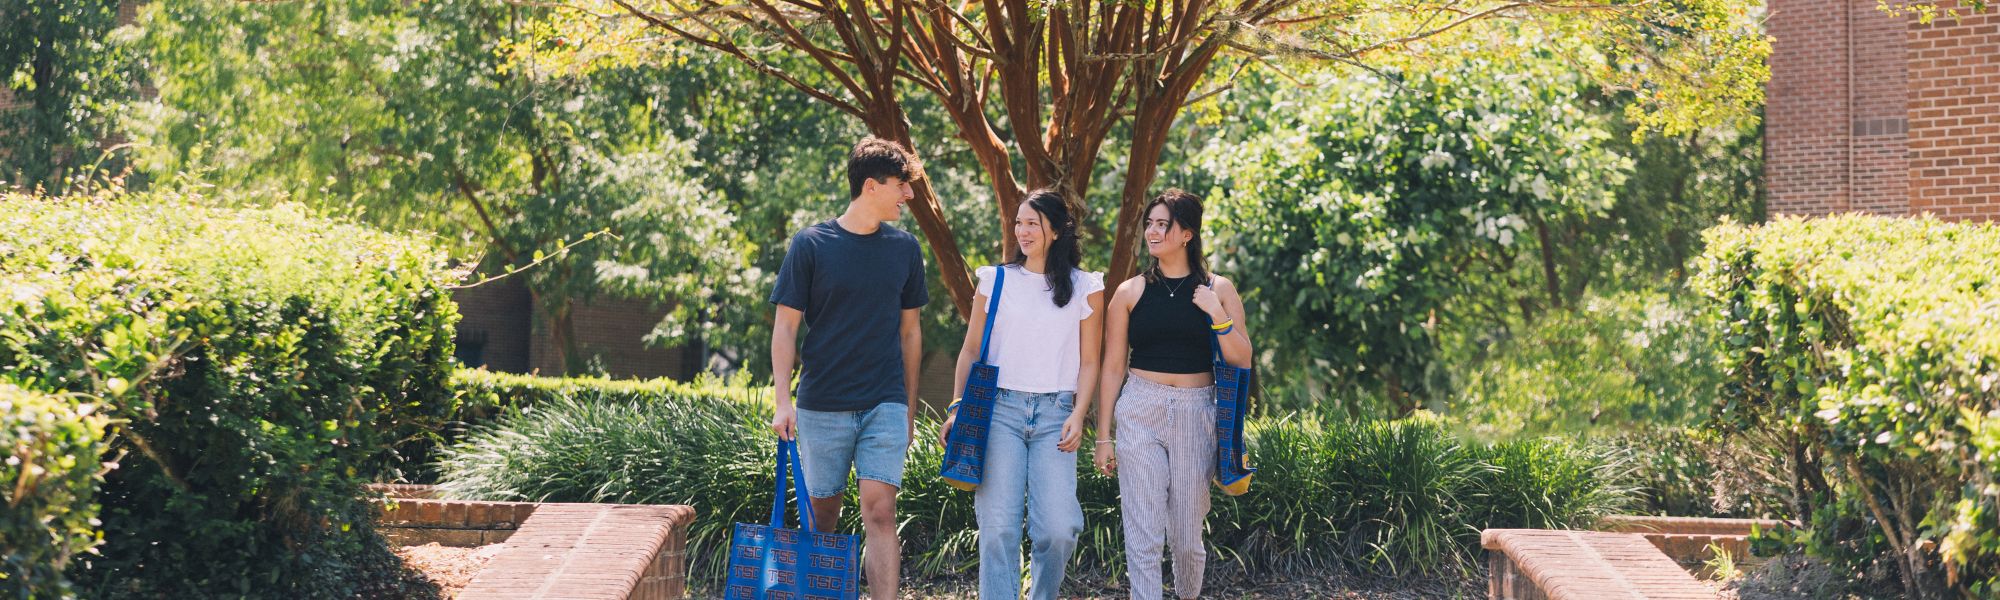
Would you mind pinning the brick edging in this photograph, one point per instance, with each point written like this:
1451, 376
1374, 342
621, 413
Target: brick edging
591, 552
403, 490
1583, 565
1692, 541
411, 515
1685, 525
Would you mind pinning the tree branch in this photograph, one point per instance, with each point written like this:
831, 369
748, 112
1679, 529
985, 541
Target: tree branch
736, 51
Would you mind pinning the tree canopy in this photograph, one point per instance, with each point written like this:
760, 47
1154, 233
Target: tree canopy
1035, 89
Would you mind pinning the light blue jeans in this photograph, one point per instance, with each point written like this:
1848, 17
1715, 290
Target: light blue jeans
1027, 477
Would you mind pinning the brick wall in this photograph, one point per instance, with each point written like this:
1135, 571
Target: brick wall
453, 523
1879, 182
494, 326
1871, 113
1535, 564
1806, 130
613, 331
501, 329
1954, 73
591, 552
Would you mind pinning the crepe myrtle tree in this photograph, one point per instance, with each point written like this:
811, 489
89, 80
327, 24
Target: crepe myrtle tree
1036, 89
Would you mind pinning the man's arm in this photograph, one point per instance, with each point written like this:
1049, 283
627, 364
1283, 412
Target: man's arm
913, 361
784, 356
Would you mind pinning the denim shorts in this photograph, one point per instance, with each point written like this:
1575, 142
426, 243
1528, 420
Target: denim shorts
874, 442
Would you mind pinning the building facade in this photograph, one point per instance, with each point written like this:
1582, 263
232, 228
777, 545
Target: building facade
1872, 113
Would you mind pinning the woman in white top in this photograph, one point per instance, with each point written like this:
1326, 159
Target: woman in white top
1045, 342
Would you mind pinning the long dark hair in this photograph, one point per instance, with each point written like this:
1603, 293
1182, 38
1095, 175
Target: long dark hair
1064, 254
1185, 210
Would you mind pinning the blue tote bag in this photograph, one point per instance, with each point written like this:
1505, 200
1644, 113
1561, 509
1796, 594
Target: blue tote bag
770, 562
1232, 408
965, 445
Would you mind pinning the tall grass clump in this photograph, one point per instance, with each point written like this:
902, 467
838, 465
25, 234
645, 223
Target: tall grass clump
1388, 497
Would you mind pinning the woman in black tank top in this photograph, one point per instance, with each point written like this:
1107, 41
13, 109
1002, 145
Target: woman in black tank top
1161, 331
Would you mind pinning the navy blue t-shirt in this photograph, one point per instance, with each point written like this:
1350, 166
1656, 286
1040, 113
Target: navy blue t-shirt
853, 289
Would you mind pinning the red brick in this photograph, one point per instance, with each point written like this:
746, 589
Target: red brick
428, 511
1841, 72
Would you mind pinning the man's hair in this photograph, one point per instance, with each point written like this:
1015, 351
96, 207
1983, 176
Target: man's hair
878, 159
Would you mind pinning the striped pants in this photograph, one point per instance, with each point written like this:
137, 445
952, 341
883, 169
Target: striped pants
1166, 457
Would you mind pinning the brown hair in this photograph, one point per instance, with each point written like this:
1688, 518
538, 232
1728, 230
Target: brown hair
878, 159
1184, 209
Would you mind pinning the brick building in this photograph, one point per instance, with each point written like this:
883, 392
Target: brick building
501, 329
1871, 113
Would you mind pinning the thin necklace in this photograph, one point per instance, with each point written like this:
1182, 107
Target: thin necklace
1177, 287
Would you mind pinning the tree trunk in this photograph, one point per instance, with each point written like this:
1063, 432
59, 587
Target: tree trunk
887, 122
1550, 279
562, 337
1392, 386
1161, 93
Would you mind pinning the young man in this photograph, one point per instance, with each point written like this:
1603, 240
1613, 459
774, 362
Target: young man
857, 284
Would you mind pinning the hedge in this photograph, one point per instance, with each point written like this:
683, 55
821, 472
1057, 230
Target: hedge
1389, 497
48, 479
261, 364
1874, 344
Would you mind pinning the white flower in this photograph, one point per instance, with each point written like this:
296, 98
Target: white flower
1540, 187
1435, 158
26, 293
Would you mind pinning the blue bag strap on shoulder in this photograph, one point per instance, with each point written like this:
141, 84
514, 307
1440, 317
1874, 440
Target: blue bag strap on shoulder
789, 470
992, 308
1213, 344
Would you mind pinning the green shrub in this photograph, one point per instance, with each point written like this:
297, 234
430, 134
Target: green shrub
51, 446
1871, 347
1619, 362
1392, 497
262, 364
1352, 211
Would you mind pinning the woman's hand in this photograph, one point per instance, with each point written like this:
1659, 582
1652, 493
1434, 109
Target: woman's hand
1072, 433
1206, 300
944, 433
1107, 458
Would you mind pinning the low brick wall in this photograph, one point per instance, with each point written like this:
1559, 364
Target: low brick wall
591, 552
1539, 564
1685, 525
553, 550
1693, 542
412, 516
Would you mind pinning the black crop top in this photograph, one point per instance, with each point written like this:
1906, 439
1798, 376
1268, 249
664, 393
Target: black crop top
1169, 334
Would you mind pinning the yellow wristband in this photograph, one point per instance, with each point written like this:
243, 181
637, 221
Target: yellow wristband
1225, 324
